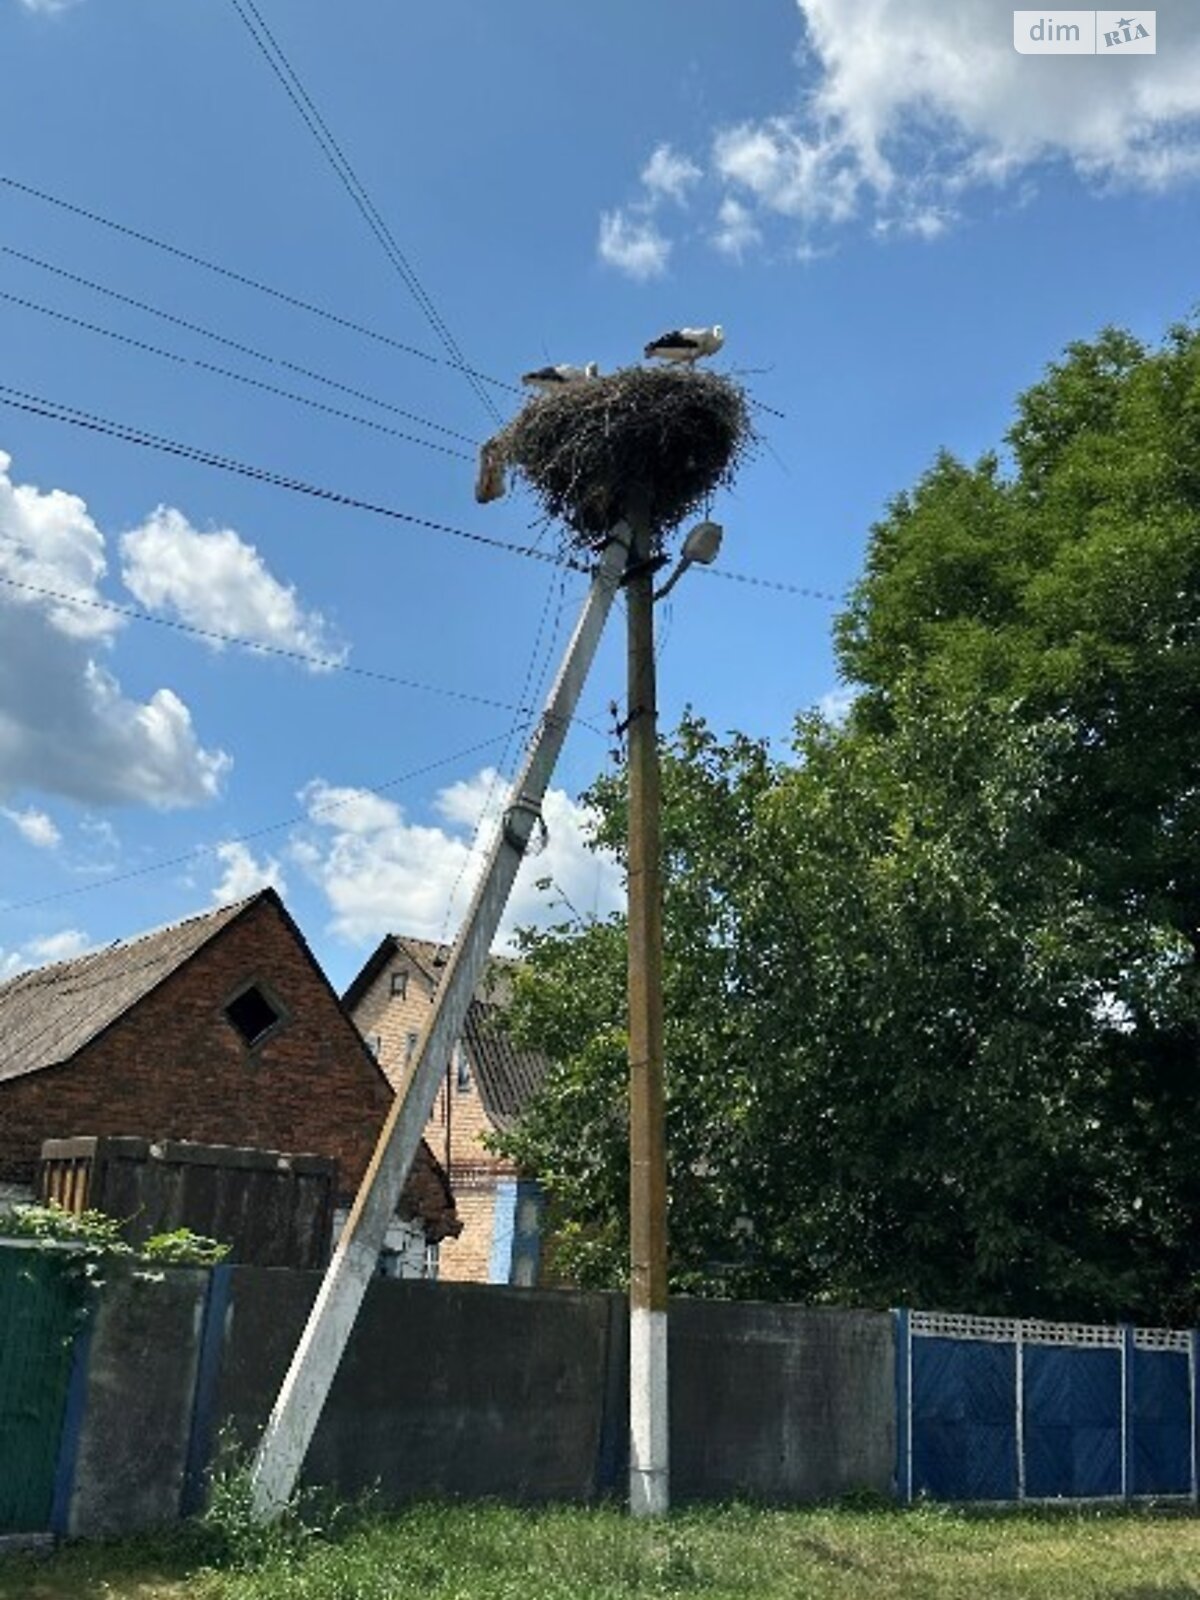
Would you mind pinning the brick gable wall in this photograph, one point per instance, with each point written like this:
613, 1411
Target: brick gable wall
173, 1067
456, 1128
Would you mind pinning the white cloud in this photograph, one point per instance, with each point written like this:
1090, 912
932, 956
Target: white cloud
634, 245
835, 705
910, 107
669, 175
244, 875
41, 952
736, 229
787, 170
381, 872
66, 727
48, 542
34, 826
217, 581
49, 7
59, 946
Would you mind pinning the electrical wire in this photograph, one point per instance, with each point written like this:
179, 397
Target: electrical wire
262, 648
257, 646
165, 863
273, 53
499, 773
233, 344
246, 281
61, 973
236, 377
778, 584
54, 411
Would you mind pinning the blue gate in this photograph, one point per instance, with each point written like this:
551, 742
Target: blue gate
992, 1408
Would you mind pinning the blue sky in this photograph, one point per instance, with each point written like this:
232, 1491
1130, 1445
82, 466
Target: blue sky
897, 219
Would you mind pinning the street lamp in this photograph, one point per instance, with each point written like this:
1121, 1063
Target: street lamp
700, 549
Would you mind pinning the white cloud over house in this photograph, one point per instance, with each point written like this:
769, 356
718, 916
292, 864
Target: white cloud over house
379, 871
243, 874
40, 952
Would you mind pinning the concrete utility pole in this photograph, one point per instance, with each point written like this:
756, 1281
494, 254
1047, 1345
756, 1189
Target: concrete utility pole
649, 1453
302, 1397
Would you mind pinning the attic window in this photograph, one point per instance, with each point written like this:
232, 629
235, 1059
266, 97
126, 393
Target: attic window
399, 985
252, 1014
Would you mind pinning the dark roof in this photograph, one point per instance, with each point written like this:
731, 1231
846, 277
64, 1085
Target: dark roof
49, 1014
427, 1195
507, 1077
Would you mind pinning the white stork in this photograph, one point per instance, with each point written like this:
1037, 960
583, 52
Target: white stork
548, 379
686, 344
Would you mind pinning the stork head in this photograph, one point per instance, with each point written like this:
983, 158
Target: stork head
718, 334
592, 370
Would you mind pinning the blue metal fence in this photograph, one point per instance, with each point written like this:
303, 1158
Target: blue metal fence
993, 1408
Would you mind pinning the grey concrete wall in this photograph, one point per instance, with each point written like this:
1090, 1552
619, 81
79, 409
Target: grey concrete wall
780, 1403
137, 1417
465, 1390
445, 1389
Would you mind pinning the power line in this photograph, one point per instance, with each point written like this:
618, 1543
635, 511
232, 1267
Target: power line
778, 584
54, 411
498, 773
231, 344
261, 647
257, 646
165, 863
310, 115
228, 372
246, 281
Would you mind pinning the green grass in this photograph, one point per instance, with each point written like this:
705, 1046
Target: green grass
494, 1553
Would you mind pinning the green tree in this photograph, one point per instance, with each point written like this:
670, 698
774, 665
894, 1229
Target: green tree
932, 984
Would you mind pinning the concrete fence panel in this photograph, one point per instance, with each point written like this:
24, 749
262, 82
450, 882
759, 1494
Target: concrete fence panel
780, 1403
136, 1425
445, 1389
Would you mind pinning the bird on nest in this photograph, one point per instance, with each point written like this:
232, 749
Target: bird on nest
686, 344
547, 379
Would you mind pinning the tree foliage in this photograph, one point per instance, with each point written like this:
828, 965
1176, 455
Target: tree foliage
933, 1013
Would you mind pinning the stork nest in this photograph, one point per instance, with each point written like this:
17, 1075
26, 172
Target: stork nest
643, 442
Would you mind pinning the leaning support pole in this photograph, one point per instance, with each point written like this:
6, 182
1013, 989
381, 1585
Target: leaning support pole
302, 1397
649, 1480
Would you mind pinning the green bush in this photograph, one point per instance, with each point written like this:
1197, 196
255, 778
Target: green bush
54, 1224
183, 1248
98, 1237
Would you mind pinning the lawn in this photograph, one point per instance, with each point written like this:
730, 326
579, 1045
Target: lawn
493, 1553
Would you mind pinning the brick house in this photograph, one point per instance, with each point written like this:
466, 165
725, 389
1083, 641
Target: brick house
488, 1082
220, 1029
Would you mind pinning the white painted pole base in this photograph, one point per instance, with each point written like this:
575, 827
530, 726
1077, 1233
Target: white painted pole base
649, 1481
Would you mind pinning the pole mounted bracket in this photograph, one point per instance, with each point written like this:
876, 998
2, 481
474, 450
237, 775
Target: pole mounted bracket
525, 805
635, 569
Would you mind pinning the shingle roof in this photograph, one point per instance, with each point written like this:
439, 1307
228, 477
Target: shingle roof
507, 1077
48, 1014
